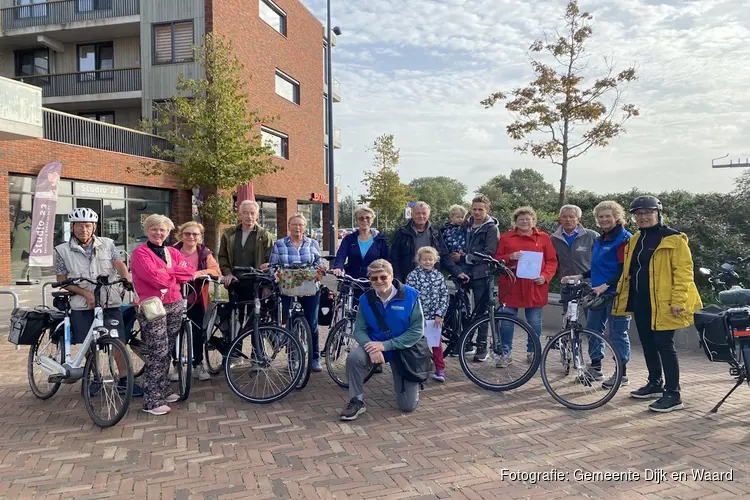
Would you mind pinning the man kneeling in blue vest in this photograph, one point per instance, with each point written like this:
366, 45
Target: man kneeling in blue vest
399, 306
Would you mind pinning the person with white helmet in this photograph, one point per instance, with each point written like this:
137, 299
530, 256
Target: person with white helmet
90, 256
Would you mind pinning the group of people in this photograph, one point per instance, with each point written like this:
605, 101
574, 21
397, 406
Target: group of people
648, 274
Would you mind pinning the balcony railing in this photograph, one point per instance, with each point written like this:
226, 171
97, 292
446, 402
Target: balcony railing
88, 82
66, 11
336, 138
336, 94
71, 129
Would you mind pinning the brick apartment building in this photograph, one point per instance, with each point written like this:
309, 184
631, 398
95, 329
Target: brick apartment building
103, 65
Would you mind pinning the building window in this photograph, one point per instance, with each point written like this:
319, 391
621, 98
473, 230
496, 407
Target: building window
287, 87
33, 62
325, 63
173, 42
90, 5
102, 116
325, 115
272, 15
28, 11
325, 163
278, 141
95, 57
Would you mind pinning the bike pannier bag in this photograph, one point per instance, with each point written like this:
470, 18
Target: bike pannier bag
27, 326
325, 310
715, 333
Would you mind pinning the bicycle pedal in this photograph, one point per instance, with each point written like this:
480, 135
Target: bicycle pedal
55, 379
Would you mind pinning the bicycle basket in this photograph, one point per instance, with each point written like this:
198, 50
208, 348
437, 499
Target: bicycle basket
27, 326
715, 334
298, 282
325, 311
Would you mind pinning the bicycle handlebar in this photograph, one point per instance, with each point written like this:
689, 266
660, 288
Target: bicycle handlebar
100, 281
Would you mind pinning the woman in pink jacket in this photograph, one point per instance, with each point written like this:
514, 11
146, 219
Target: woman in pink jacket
158, 270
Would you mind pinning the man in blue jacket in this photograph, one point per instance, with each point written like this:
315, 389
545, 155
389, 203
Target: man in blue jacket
400, 308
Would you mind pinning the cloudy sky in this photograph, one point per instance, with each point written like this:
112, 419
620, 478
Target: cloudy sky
418, 69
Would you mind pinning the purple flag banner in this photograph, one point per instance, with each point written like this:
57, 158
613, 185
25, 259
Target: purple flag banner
42, 238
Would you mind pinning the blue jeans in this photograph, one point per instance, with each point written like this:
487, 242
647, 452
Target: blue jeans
310, 306
596, 321
533, 318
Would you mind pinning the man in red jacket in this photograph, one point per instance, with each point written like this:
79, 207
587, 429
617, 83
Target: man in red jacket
529, 294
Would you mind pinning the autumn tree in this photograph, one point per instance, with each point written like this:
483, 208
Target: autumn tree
213, 134
439, 192
346, 212
384, 191
557, 117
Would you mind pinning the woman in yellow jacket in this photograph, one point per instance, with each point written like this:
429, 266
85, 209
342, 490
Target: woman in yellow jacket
658, 288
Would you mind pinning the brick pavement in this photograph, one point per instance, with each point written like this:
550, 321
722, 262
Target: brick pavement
455, 445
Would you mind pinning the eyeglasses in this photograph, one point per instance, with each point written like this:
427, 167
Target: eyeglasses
364, 218
192, 235
382, 278
643, 213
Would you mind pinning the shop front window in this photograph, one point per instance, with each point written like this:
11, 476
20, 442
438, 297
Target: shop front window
112, 222
313, 212
268, 218
137, 213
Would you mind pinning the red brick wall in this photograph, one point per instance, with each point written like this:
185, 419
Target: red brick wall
79, 163
262, 50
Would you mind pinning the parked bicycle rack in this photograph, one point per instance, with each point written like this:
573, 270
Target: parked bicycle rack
44, 293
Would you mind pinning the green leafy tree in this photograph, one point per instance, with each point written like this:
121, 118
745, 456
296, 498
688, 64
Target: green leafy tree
384, 191
520, 187
556, 116
346, 212
213, 133
440, 193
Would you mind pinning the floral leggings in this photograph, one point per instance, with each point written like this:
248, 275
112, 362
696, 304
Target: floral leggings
160, 336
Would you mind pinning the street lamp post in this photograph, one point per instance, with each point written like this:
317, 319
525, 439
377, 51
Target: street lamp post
351, 191
329, 114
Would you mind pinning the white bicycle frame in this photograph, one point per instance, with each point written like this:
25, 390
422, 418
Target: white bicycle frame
52, 367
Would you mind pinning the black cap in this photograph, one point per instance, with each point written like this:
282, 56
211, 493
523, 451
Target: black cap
645, 202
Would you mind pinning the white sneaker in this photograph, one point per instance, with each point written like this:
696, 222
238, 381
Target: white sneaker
201, 373
173, 376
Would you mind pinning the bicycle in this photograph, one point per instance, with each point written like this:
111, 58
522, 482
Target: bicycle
457, 317
296, 322
58, 366
564, 351
724, 332
182, 355
269, 343
222, 319
340, 341
500, 349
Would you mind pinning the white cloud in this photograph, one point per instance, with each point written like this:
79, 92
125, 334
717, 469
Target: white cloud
418, 70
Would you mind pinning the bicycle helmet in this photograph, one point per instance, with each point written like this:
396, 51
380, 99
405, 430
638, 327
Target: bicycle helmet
647, 203
83, 214
592, 300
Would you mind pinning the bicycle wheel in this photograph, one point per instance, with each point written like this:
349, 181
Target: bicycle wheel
301, 329
47, 345
339, 343
105, 395
506, 367
569, 380
275, 367
184, 359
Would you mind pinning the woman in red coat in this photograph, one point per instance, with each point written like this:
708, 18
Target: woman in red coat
529, 294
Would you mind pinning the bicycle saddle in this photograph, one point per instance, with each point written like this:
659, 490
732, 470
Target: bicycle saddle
735, 297
62, 294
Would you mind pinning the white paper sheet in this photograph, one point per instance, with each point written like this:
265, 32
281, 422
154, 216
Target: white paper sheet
529, 265
433, 334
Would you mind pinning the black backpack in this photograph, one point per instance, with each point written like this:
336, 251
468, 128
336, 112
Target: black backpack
325, 310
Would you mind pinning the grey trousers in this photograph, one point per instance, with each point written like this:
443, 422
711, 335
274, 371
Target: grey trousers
358, 366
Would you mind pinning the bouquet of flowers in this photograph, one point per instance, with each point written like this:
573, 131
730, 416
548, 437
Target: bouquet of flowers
298, 282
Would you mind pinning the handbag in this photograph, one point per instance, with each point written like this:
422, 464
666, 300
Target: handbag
413, 363
153, 307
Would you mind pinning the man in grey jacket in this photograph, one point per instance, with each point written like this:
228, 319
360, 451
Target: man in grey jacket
573, 243
482, 235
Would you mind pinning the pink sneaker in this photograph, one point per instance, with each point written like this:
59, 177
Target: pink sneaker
439, 375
